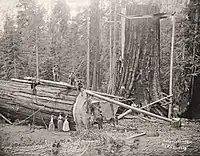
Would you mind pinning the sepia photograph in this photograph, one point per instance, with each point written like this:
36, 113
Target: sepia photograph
99, 78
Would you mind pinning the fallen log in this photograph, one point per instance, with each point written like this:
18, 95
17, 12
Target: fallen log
127, 106
18, 102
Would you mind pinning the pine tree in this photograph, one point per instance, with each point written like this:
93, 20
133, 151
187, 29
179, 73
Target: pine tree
9, 47
32, 31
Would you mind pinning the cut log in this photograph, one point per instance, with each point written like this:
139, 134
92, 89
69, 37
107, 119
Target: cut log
18, 102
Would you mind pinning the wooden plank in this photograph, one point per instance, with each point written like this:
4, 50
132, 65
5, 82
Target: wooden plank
52, 83
5, 119
48, 82
127, 106
109, 95
136, 135
131, 17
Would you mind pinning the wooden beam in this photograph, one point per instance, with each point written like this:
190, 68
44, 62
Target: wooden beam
51, 83
129, 111
127, 106
5, 119
22, 81
28, 80
131, 17
171, 66
135, 136
37, 56
156, 101
124, 114
109, 95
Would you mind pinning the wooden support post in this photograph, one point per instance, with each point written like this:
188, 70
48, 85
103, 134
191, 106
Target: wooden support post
88, 49
110, 47
22, 81
171, 66
37, 57
108, 95
123, 32
127, 106
129, 111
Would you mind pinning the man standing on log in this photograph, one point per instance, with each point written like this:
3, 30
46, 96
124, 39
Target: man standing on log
33, 86
56, 73
72, 78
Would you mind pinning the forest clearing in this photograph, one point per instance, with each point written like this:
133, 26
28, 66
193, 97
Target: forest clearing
160, 139
99, 77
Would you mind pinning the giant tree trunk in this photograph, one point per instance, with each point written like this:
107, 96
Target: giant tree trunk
95, 43
18, 102
140, 73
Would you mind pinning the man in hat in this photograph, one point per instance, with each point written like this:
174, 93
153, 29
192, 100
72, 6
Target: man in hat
72, 78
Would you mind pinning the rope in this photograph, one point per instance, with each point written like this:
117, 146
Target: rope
29, 116
34, 112
43, 120
43, 106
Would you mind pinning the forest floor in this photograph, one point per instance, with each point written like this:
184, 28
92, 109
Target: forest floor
160, 139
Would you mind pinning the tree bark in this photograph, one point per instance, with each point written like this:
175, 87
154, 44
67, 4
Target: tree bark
141, 71
94, 41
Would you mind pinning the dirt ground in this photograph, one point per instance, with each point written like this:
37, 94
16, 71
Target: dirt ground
160, 139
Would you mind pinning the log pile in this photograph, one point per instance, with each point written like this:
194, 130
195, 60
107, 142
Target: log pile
18, 102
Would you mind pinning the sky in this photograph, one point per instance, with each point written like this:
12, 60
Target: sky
73, 4
9, 7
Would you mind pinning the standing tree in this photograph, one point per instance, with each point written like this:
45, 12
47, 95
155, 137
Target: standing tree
140, 73
9, 45
31, 30
95, 43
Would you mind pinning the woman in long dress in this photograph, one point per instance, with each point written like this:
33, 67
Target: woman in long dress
51, 124
66, 125
60, 122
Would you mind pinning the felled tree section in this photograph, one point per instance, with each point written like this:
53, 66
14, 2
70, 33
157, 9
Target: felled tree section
140, 69
18, 102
